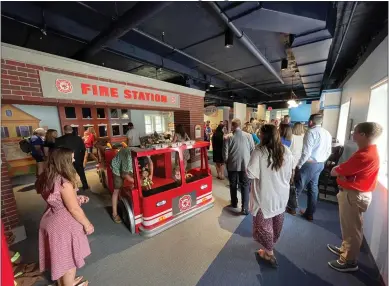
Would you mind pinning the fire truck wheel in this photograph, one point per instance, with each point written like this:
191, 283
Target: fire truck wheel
127, 214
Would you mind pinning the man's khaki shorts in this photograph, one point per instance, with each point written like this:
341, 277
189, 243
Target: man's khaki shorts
118, 181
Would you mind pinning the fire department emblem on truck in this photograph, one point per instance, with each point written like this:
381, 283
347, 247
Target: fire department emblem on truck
64, 86
185, 203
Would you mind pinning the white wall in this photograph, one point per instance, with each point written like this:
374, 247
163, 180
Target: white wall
47, 114
357, 88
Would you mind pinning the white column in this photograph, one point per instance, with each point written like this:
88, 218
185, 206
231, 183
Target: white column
330, 104
240, 111
261, 113
315, 107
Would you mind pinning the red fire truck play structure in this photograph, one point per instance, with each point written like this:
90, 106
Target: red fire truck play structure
168, 201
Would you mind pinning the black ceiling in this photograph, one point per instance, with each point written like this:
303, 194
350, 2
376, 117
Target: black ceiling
194, 28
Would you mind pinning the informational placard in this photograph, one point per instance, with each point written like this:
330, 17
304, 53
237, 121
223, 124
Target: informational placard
198, 131
74, 88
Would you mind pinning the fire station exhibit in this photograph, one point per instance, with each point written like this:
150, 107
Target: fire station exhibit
150, 206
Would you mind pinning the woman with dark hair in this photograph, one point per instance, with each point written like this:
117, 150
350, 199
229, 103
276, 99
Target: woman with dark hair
63, 230
286, 134
217, 146
270, 168
181, 136
225, 127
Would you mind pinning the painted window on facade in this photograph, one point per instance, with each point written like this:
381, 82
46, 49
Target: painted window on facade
24, 131
4, 132
70, 112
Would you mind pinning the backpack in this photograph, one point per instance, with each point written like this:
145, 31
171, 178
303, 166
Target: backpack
25, 145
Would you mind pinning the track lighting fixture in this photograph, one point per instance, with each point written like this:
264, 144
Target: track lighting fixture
229, 39
284, 64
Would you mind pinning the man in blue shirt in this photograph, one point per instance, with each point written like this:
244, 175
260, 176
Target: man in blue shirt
37, 149
316, 150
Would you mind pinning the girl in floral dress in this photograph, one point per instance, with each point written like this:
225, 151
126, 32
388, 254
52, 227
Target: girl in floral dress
63, 242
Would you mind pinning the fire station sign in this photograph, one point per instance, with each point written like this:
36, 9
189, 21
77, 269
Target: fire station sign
74, 88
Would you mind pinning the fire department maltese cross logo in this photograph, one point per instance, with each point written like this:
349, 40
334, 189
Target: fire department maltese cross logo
185, 203
64, 86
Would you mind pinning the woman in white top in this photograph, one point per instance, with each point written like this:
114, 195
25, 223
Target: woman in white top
270, 167
297, 142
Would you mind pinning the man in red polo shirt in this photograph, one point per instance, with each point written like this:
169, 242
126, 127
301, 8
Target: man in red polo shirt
356, 178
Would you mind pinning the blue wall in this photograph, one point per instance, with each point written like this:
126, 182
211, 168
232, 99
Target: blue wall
300, 113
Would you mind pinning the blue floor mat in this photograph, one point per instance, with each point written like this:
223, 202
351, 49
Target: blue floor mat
301, 254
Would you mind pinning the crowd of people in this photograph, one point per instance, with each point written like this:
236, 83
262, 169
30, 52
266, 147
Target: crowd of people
265, 161
273, 163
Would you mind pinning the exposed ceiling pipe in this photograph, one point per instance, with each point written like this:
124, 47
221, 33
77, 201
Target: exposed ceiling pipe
344, 37
285, 100
212, 96
246, 41
196, 60
132, 18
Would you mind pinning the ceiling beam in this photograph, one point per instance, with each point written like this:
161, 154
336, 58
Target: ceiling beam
150, 37
131, 19
296, 82
30, 15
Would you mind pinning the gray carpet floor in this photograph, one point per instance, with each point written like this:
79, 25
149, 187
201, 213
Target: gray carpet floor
213, 248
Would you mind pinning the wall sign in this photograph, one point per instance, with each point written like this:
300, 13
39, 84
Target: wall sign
74, 88
210, 110
198, 133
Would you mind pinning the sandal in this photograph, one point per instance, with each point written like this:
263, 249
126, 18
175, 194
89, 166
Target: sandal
116, 219
77, 280
270, 259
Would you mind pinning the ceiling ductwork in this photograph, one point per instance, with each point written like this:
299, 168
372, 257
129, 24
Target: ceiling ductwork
246, 41
310, 25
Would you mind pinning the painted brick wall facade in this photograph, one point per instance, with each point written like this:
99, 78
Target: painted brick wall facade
20, 84
9, 212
